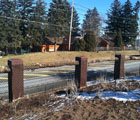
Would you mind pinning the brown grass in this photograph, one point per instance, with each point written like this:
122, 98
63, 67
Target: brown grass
32, 58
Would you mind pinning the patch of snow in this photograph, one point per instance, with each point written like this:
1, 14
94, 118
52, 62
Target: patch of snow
85, 95
24, 115
59, 107
134, 78
90, 83
12, 118
120, 96
130, 78
63, 96
32, 117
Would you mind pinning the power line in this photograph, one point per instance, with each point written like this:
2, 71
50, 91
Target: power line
81, 6
47, 24
30, 21
42, 23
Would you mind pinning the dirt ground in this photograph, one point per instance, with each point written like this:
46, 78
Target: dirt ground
98, 109
48, 106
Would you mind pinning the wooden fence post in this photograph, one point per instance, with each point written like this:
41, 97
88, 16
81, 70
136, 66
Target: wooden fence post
119, 66
81, 72
15, 79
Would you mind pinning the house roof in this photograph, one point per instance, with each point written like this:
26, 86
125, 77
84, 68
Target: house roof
106, 39
59, 40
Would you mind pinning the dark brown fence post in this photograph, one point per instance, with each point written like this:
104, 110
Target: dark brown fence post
15, 79
119, 66
81, 72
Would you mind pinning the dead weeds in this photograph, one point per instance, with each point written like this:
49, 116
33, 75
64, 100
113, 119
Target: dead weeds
33, 58
48, 106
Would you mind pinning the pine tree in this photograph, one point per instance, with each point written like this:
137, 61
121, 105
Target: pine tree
75, 24
136, 9
130, 25
5, 11
114, 21
9, 30
16, 36
90, 41
25, 13
92, 22
124, 18
38, 30
59, 16
118, 39
79, 45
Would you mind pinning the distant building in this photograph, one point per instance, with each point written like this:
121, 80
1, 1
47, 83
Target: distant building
138, 43
57, 43
105, 42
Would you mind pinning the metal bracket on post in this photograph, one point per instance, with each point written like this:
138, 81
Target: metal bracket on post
119, 66
81, 72
15, 79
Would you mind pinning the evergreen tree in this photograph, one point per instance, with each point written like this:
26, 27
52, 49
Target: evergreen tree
90, 41
9, 28
15, 33
136, 9
130, 25
75, 24
92, 22
25, 13
5, 10
38, 30
59, 16
114, 21
79, 45
118, 39
124, 18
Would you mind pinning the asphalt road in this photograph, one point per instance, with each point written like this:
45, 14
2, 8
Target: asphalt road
48, 78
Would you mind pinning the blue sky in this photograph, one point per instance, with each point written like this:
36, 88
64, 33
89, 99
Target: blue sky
101, 5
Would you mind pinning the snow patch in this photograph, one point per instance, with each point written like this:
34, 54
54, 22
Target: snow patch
120, 96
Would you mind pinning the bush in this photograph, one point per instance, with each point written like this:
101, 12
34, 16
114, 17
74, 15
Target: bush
79, 45
90, 40
2, 53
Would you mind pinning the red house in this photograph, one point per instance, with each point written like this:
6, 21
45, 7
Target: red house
57, 43
105, 42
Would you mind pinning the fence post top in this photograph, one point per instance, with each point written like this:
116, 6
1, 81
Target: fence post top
15, 61
118, 55
81, 57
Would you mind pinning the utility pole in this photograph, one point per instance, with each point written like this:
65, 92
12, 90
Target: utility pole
71, 25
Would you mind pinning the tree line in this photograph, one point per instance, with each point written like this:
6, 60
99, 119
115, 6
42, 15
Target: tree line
122, 23
27, 23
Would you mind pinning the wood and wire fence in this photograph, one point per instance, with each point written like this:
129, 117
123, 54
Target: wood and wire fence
16, 70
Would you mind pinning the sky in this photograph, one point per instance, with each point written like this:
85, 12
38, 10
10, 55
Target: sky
101, 5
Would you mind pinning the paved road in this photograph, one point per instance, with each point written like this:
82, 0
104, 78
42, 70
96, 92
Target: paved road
46, 78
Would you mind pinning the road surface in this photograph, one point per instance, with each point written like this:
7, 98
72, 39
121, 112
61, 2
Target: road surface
49, 78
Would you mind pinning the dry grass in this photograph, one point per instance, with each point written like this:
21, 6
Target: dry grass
32, 58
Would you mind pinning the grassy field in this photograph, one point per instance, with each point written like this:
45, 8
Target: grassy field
33, 58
